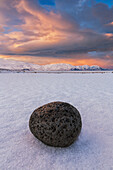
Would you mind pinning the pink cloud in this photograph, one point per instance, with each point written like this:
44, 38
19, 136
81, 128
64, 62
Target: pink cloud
33, 30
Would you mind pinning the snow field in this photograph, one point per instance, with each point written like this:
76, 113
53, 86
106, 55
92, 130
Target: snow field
91, 94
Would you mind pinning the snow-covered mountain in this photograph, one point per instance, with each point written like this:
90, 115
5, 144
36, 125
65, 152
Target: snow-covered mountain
58, 67
17, 65
7, 64
86, 67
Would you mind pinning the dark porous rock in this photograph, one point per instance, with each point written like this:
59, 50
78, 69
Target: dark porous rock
56, 124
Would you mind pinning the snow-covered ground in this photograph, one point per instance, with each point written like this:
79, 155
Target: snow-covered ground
91, 94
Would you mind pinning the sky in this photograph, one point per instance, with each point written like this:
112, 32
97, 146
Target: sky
78, 32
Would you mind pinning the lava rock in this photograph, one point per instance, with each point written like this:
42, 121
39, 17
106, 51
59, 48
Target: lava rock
56, 124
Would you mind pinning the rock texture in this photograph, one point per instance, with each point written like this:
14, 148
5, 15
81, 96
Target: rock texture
56, 124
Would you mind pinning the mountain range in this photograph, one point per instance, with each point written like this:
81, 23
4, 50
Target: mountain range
12, 65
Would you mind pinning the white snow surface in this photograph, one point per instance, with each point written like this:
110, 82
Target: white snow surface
91, 94
18, 65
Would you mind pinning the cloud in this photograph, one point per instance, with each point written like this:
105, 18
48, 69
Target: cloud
70, 30
1, 29
39, 29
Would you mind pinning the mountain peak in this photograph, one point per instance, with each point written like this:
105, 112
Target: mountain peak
18, 65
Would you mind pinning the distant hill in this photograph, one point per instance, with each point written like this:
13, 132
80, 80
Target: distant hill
12, 65
86, 67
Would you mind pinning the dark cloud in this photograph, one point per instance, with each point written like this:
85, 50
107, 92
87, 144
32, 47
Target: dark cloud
73, 28
88, 14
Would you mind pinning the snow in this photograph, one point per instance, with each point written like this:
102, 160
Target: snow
13, 64
91, 94
86, 67
18, 65
82, 67
58, 67
94, 67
